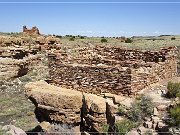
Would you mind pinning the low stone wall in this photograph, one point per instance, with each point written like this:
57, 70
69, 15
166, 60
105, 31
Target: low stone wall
112, 69
10, 68
16, 60
155, 72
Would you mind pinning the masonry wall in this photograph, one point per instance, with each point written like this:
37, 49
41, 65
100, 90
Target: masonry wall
112, 69
91, 79
155, 72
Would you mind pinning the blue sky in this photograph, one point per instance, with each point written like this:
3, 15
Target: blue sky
92, 19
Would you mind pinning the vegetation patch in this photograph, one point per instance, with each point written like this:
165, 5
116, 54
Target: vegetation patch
128, 40
103, 40
141, 108
105, 129
125, 126
175, 115
72, 39
173, 90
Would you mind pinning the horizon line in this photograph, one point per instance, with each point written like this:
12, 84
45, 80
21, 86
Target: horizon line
78, 2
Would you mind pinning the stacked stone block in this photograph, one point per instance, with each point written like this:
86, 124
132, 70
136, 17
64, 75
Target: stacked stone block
112, 69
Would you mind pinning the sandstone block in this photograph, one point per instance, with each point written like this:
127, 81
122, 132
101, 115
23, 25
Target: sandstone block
57, 103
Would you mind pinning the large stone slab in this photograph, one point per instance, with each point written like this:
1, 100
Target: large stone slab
55, 103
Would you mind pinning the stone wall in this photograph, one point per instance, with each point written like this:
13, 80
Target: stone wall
17, 57
33, 31
112, 69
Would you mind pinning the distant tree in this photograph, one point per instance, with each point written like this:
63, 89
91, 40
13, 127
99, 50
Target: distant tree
82, 37
103, 40
58, 36
71, 39
128, 40
173, 38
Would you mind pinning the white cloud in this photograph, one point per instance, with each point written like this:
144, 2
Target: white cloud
157, 32
89, 31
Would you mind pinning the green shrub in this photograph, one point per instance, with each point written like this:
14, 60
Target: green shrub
121, 110
82, 37
58, 36
71, 39
175, 115
148, 132
125, 126
173, 90
141, 108
105, 129
173, 38
103, 40
128, 40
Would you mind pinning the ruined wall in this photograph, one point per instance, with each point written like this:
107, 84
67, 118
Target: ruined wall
153, 73
91, 79
112, 69
33, 31
17, 58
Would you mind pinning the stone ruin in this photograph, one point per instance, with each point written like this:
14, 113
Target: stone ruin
33, 31
82, 111
113, 70
17, 57
86, 88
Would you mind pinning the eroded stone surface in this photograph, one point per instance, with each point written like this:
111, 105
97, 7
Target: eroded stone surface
61, 105
55, 103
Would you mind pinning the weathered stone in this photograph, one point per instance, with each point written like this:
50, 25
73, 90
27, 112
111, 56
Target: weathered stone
147, 119
155, 111
161, 107
141, 130
17, 57
10, 68
95, 103
11, 129
162, 127
45, 126
55, 103
112, 70
155, 119
154, 126
94, 111
148, 124
112, 107
133, 132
